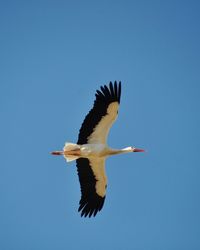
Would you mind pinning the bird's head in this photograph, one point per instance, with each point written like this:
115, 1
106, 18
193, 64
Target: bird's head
137, 149
132, 149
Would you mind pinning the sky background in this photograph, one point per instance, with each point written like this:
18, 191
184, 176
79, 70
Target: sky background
53, 57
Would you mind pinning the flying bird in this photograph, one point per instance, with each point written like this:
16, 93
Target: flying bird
91, 149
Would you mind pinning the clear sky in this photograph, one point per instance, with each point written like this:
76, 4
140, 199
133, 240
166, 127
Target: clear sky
53, 56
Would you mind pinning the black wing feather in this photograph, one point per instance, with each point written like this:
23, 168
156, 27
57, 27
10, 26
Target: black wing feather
115, 88
90, 202
111, 89
104, 97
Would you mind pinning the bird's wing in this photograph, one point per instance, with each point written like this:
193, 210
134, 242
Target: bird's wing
98, 121
93, 183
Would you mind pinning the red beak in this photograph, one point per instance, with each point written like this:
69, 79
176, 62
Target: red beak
138, 150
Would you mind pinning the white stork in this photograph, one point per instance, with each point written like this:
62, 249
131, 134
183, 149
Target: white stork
91, 150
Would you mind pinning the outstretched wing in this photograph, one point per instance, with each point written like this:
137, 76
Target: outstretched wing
98, 121
93, 183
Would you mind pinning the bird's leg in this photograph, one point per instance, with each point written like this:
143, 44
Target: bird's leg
57, 153
75, 152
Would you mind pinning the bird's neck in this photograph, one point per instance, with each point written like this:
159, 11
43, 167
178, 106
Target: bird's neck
120, 151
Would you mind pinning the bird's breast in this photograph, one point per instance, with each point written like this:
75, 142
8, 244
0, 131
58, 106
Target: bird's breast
93, 150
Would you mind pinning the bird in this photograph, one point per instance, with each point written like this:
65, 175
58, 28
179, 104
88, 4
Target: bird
91, 149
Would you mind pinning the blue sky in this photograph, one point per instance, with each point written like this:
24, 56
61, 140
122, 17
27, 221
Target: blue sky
54, 55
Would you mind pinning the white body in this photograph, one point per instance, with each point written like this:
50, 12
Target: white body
90, 151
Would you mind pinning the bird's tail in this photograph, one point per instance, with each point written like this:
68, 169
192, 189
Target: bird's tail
70, 147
